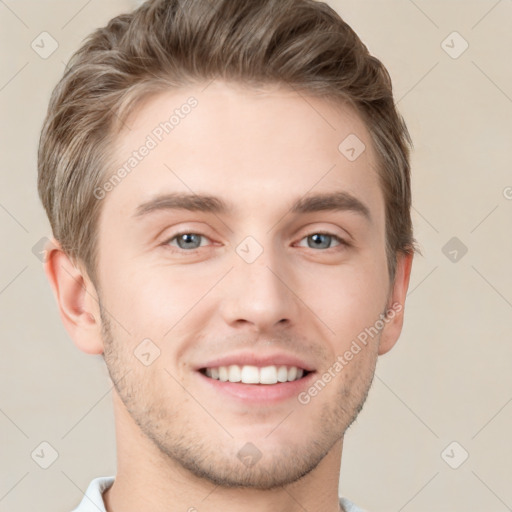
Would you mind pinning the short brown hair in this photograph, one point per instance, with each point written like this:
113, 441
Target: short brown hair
166, 44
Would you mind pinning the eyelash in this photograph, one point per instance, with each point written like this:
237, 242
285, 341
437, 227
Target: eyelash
342, 243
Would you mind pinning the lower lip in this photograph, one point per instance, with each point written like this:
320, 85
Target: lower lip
260, 393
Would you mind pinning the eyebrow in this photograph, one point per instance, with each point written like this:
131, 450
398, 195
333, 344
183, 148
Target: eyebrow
334, 201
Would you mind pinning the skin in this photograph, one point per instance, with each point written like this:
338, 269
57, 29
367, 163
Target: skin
177, 440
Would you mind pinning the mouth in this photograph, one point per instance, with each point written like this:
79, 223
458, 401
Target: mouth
249, 374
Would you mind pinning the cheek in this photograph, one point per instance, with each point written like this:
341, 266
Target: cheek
152, 299
348, 298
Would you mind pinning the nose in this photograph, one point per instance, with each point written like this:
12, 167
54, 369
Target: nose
260, 294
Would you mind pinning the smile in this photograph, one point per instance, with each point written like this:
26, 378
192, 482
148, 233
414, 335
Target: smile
248, 374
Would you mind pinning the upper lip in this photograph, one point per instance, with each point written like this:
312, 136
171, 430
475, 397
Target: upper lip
253, 359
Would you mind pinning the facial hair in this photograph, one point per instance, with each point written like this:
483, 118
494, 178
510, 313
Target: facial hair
179, 442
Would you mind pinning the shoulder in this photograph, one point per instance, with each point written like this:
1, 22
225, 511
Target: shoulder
93, 499
348, 506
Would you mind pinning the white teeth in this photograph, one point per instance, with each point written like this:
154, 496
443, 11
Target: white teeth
234, 373
268, 375
282, 374
250, 375
254, 375
223, 373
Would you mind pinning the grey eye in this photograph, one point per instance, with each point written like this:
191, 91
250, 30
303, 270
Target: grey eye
320, 240
188, 240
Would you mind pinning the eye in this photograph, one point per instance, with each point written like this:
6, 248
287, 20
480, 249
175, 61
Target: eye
186, 241
323, 240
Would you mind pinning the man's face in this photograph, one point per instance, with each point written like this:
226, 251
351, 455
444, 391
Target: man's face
260, 279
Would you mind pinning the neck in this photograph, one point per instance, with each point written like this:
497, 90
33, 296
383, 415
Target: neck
149, 480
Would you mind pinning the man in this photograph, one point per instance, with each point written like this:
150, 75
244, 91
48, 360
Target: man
228, 187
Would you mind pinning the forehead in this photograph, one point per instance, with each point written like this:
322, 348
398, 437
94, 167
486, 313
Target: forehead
255, 149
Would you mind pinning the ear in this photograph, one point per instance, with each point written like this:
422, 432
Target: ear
76, 297
396, 304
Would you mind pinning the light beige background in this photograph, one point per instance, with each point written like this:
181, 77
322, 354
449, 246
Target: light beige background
449, 377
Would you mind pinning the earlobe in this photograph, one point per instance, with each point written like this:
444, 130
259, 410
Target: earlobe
396, 305
76, 299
